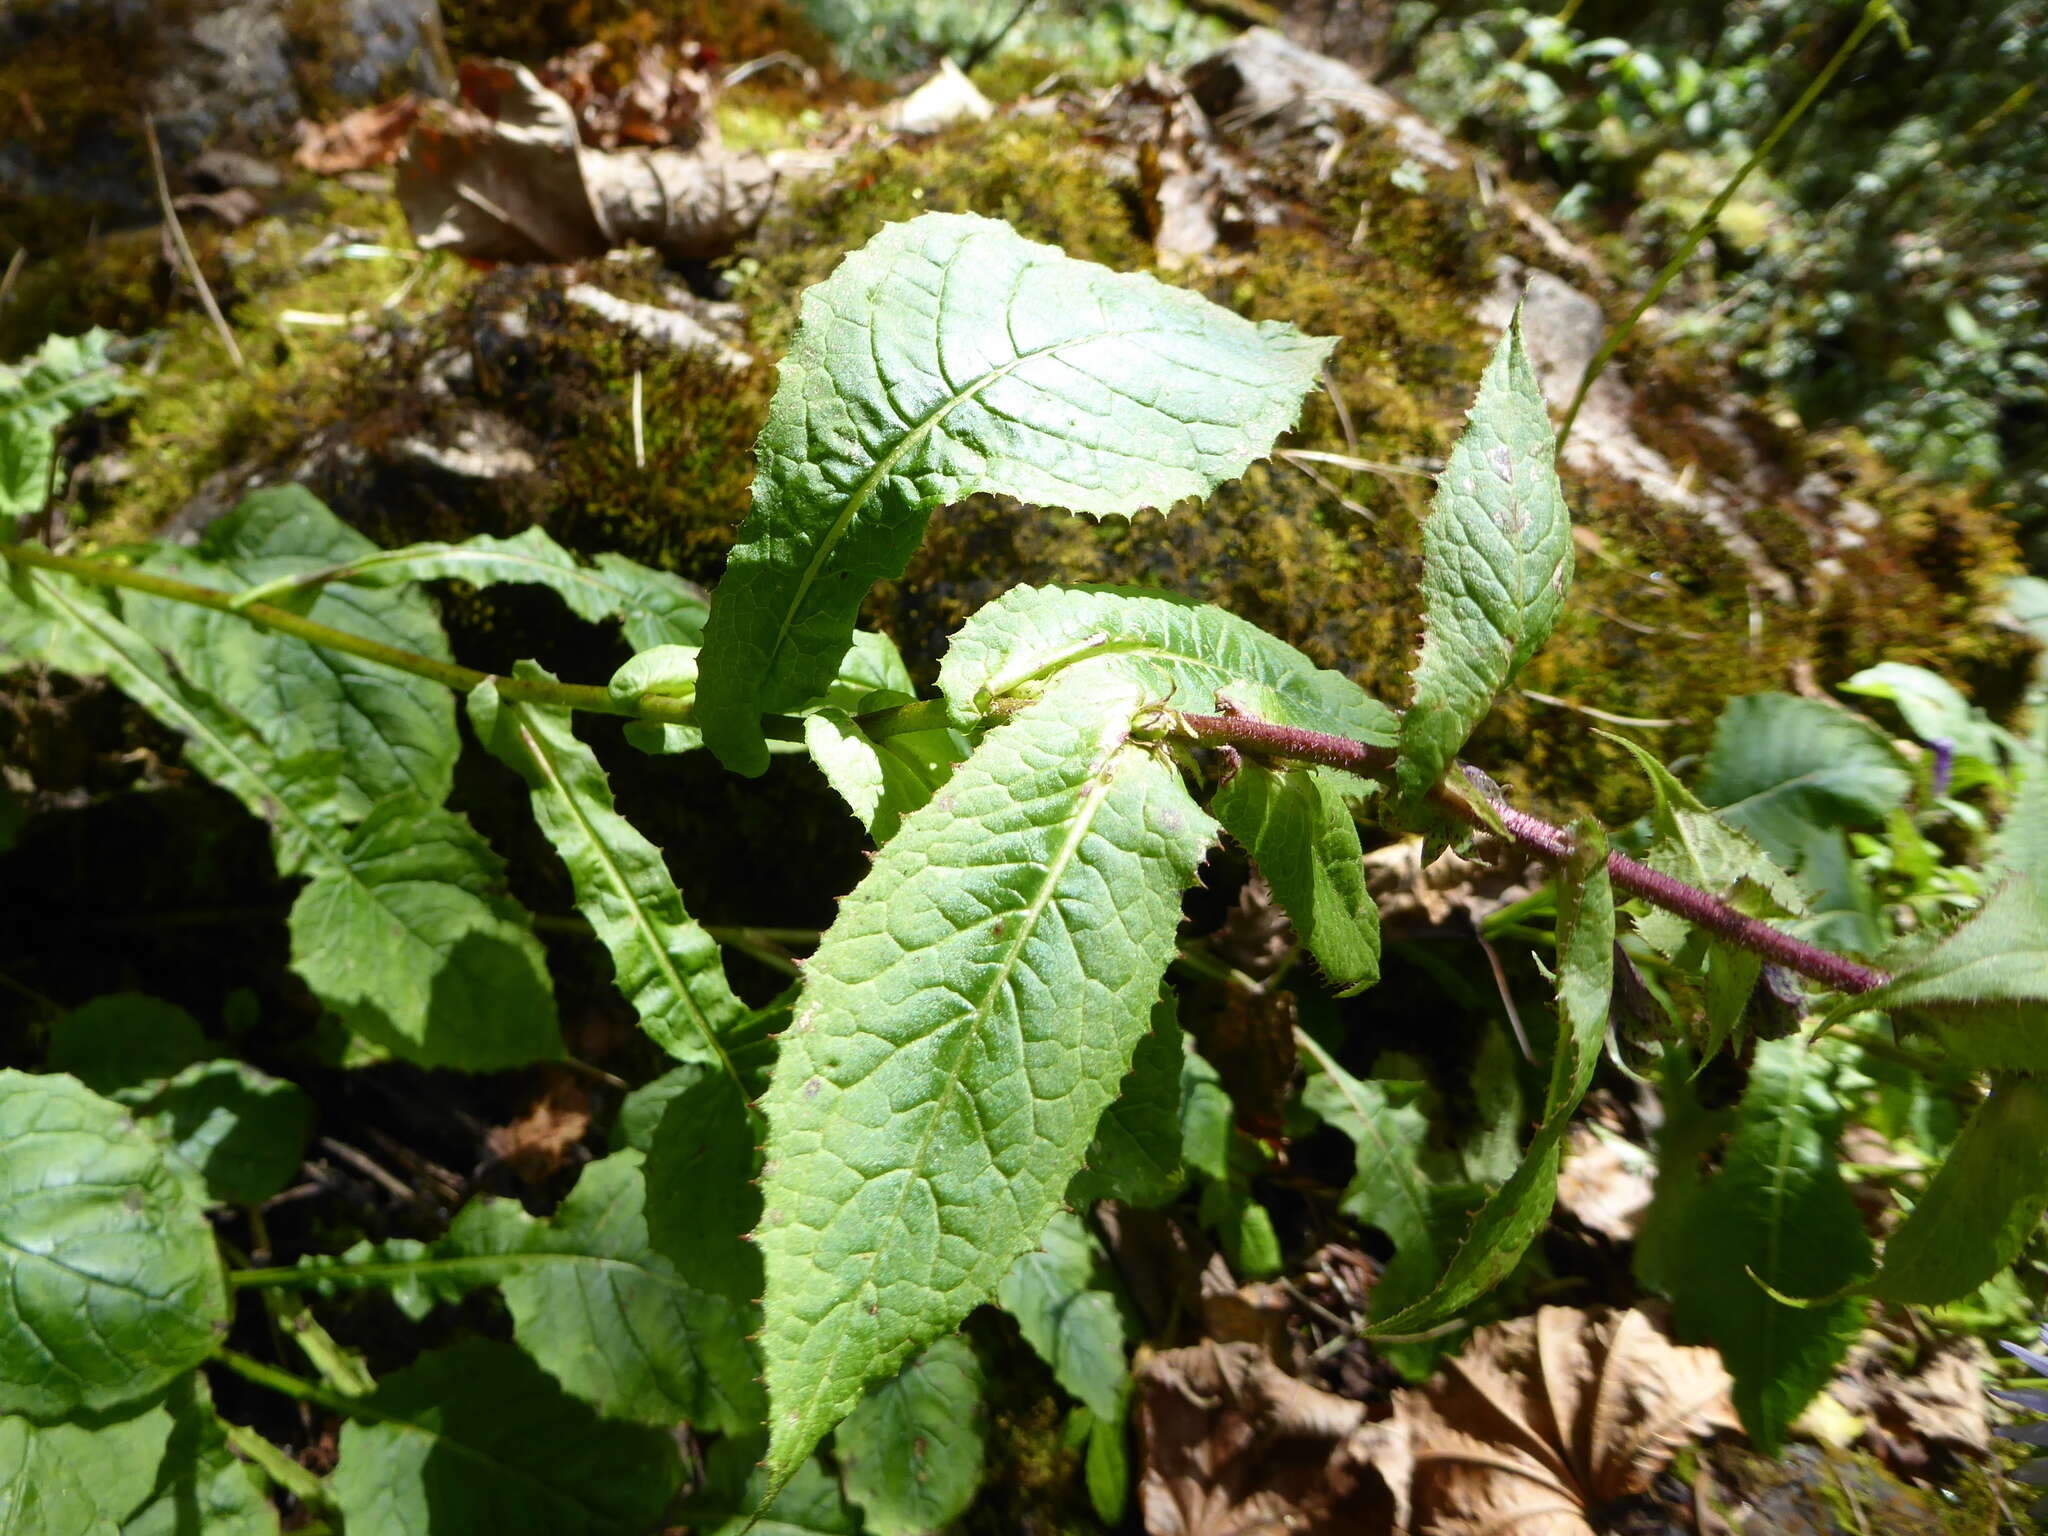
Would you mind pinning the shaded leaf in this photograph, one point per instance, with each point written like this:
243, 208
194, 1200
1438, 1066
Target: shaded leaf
239, 1130
810, 1504
911, 1454
1783, 766
1296, 824
962, 1027
79, 1478
664, 962
1387, 1189
1496, 563
1985, 985
125, 1039
1067, 1317
1136, 1157
475, 1437
112, 1286
951, 356
202, 1487
1933, 708
65, 375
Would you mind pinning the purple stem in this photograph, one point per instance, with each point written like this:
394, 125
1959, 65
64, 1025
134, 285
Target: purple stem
1550, 842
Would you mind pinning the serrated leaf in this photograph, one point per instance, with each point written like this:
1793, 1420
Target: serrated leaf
2021, 846
475, 1437
78, 1479
664, 962
65, 375
387, 732
1185, 654
1387, 1189
1776, 1214
810, 1504
911, 1453
411, 937
962, 1027
881, 779
1136, 1157
1496, 564
653, 607
1296, 824
240, 1131
1985, 985
1783, 766
948, 357
1065, 1315
1512, 1215
202, 1488
112, 1286
125, 1039
1983, 1203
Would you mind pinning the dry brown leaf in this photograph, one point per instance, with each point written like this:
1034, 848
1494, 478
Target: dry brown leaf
1231, 1445
1541, 1419
1254, 1313
1918, 1419
665, 96
1604, 1183
1437, 895
365, 139
505, 177
538, 1143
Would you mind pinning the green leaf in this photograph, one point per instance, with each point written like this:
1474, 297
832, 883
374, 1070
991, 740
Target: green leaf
241, 1131
1783, 766
79, 1478
386, 732
963, 1025
125, 1039
1106, 1469
112, 1287
65, 375
667, 966
911, 1453
654, 607
1777, 1214
1496, 564
1982, 1205
810, 1504
1387, 1189
202, 1488
640, 1114
883, 779
1296, 824
2021, 846
1071, 1321
1985, 986
1136, 1157
1933, 708
950, 357
1517, 1211
475, 1437
412, 938
1180, 652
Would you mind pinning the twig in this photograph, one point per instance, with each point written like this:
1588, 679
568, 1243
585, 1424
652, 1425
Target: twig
639, 435
1638, 721
14, 266
1507, 997
184, 247
990, 44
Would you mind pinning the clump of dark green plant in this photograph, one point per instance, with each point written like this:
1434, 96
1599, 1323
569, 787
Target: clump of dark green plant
806, 1207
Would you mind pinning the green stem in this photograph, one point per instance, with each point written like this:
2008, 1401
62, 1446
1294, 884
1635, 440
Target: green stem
284, 1381
1873, 13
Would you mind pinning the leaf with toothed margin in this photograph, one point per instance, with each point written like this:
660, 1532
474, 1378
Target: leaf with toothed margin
1296, 824
1136, 1157
1496, 562
911, 1454
951, 356
962, 1027
1185, 655
1067, 1316
664, 962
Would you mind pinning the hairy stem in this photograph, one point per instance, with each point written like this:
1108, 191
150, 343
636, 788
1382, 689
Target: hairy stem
1547, 841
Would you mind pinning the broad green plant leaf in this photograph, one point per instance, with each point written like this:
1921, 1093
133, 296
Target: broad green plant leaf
1776, 1214
653, 607
1296, 824
911, 1453
78, 1479
241, 1132
1516, 1212
948, 357
202, 1488
1783, 766
1065, 1314
125, 1039
962, 1027
882, 778
1984, 986
65, 375
387, 732
475, 1437
667, 966
1387, 1188
1933, 708
110, 1285
1496, 564
1184, 655
411, 936
1136, 1157
810, 1504
1982, 1204
2021, 846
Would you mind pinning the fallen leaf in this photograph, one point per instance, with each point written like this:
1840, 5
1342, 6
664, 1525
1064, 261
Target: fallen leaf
1413, 895
1231, 1445
1546, 1418
1604, 1183
365, 139
948, 97
538, 1143
1918, 1417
